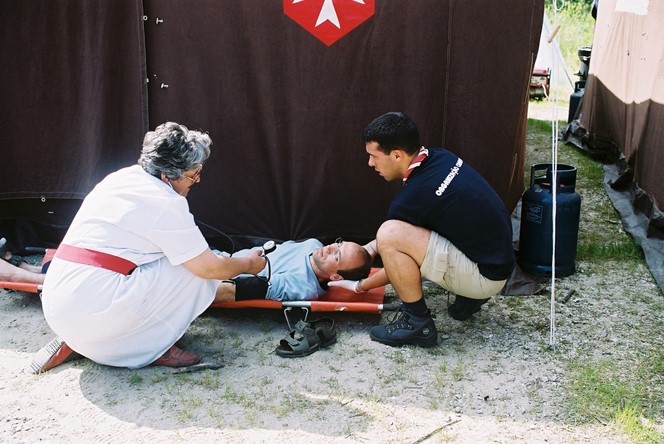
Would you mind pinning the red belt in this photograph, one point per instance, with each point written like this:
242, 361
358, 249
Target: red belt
95, 258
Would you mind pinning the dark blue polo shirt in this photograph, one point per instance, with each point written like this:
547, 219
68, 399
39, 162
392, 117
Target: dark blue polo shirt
446, 195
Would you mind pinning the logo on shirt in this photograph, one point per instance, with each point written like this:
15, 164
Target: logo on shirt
454, 171
329, 20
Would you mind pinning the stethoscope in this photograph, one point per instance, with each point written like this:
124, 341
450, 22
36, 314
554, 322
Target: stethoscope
268, 247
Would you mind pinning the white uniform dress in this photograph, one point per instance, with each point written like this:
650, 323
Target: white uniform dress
128, 321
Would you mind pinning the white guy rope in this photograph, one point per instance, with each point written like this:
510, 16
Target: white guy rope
554, 174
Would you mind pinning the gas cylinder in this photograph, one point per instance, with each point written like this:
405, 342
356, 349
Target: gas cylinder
575, 100
536, 233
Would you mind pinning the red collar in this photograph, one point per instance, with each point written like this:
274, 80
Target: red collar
417, 161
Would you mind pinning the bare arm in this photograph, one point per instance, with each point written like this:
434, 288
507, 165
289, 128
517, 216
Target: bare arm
378, 279
208, 265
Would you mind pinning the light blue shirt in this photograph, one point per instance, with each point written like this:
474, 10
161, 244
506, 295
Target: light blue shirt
293, 278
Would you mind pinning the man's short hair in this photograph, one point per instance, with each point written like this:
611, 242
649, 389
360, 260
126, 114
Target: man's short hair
393, 130
361, 272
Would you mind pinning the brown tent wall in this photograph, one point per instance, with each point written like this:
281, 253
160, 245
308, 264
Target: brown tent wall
73, 106
622, 112
621, 118
284, 110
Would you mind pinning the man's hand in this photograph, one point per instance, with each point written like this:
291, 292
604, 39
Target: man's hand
348, 285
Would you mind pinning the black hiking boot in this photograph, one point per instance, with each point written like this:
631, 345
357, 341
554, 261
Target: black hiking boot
406, 329
464, 308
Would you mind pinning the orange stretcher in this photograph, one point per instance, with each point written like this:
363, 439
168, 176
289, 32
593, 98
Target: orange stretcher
335, 299
28, 287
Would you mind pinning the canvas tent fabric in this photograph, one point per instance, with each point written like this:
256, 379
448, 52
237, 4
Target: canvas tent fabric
621, 116
285, 111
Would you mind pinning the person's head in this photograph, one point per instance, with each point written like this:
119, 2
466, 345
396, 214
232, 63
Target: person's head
391, 141
175, 154
341, 260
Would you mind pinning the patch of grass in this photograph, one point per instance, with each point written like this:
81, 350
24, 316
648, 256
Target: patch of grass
440, 376
158, 377
614, 392
606, 392
333, 384
208, 380
135, 379
540, 127
235, 340
398, 356
590, 249
187, 408
458, 371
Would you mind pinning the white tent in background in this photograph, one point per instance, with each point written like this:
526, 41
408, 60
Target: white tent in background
548, 55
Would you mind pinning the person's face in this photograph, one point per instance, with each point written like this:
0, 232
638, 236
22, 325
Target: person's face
184, 184
340, 255
387, 165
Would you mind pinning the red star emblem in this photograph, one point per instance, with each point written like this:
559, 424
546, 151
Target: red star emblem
329, 20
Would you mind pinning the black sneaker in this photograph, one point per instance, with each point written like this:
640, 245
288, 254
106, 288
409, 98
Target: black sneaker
463, 307
406, 329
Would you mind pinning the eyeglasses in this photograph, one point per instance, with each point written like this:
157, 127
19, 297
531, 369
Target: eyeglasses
196, 178
337, 253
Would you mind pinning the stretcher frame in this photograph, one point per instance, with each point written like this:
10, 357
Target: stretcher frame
334, 300
26, 286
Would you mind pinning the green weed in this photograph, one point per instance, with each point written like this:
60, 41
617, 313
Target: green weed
135, 379
605, 392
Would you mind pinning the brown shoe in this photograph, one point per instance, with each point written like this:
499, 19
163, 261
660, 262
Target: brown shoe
176, 357
51, 355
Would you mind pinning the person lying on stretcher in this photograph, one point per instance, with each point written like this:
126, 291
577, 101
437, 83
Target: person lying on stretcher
298, 271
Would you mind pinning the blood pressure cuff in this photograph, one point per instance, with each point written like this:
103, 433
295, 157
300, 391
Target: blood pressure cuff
250, 287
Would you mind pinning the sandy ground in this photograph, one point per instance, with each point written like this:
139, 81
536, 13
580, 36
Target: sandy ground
491, 379
494, 379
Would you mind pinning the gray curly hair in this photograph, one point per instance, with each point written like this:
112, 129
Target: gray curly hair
172, 149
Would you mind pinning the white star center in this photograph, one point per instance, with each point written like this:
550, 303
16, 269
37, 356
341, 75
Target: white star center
328, 13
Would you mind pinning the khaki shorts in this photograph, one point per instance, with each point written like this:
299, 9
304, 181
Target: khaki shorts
447, 266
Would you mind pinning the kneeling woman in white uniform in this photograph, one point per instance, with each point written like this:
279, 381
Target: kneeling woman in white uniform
134, 270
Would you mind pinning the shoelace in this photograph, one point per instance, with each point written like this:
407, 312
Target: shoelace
399, 321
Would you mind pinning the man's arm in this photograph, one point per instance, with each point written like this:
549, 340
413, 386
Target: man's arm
378, 279
242, 288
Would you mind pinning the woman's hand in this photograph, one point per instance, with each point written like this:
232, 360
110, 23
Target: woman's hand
258, 261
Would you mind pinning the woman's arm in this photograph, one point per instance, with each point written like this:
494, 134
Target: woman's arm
208, 265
